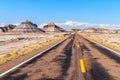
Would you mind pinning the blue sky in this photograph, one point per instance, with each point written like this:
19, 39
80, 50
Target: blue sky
60, 11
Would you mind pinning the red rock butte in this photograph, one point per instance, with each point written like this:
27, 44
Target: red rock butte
51, 27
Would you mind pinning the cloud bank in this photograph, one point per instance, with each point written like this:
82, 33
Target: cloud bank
81, 25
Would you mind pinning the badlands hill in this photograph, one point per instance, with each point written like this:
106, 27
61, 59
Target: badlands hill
51, 27
100, 30
27, 27
7, 28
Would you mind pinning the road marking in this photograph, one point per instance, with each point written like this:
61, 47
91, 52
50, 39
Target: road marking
104, 47
82, 66
78, 45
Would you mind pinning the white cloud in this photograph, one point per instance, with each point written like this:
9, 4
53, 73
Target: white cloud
2, 24
73, 24
16, 24
41, 25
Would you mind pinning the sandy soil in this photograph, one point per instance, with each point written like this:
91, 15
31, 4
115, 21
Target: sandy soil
10, 42
112, 38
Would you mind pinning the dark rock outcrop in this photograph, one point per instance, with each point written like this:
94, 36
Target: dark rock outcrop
7, 28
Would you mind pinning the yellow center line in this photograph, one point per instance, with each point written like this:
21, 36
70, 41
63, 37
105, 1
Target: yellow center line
78, 45
82, 66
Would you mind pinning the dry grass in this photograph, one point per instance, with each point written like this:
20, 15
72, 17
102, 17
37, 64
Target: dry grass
26, 50
110, 40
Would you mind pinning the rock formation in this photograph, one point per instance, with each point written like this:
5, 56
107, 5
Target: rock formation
27, 27
7, 28
101, 30
95, 30
51, 27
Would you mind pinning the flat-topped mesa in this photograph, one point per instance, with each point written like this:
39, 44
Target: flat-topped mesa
51, 24
28, 22
27, 27
52, 27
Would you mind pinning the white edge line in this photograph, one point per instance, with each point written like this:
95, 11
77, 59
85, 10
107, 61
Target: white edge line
104, 47
8, 71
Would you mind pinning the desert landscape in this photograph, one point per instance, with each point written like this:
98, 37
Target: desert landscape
107, 37
17, 37
59, 40
111, 38
12, 42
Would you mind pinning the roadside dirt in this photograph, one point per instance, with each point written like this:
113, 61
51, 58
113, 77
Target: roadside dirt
9, 43
9, 64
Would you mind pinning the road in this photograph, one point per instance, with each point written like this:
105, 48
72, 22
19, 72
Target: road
64, 62
54, 64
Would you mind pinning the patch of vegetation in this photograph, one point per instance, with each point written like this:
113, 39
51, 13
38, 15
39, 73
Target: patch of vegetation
101, 41
17, 53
